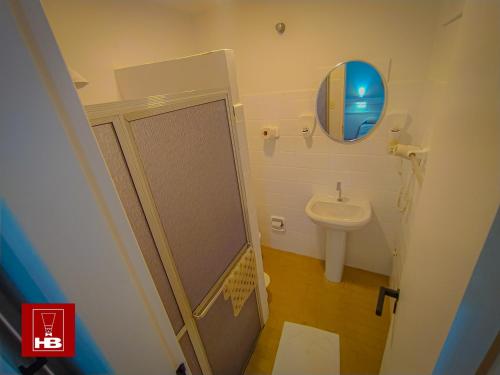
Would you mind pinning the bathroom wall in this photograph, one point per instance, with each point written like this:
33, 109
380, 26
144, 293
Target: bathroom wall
459, 198
279, 76
428, 116
316, 38
98, 36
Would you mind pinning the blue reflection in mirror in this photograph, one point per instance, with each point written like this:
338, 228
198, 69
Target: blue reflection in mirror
364, 99
350, 101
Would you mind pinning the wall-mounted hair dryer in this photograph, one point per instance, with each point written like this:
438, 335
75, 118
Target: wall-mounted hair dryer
411, 152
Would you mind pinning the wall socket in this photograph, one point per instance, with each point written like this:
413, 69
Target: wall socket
278, 223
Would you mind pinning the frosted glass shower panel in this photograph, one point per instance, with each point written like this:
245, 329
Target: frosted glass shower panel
188, 159
117, 166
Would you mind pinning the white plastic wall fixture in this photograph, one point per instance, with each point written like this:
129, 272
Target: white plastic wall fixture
270, 133
278, 223
307, 124
405, 151
413, 153
78, 80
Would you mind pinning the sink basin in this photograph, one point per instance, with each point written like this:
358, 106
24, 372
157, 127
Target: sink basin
338, 218
346, 215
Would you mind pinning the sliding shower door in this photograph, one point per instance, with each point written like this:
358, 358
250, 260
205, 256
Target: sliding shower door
189, 162
182, 161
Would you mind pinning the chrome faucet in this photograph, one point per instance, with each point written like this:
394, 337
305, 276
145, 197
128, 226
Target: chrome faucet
339, 189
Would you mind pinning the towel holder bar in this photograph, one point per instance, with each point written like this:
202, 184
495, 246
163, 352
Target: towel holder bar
201, 314
205, 305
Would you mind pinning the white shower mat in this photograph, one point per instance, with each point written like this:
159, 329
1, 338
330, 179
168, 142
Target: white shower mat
307, 350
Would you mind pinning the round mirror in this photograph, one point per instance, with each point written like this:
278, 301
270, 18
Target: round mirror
351, 101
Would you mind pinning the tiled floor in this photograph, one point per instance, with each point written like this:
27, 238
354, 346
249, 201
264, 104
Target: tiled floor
299, 293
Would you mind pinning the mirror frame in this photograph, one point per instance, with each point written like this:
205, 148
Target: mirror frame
382, 113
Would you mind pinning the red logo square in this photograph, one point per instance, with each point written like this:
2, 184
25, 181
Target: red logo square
48, 330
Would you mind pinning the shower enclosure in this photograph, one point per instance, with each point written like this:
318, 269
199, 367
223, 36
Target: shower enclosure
176, 165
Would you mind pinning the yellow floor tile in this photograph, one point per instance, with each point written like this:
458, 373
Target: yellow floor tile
300, 293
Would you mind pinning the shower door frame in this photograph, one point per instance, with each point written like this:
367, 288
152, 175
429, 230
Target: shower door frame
120, 114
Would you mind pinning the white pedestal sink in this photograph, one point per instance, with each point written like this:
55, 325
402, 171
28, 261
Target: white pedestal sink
338, 217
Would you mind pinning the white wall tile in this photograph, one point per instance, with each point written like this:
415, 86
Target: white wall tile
290, 169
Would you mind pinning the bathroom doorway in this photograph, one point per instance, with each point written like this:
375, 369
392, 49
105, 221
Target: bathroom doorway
292, 158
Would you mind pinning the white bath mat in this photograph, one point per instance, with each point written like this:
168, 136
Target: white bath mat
307, 350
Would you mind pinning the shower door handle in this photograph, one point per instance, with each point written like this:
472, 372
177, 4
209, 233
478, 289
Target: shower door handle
381, 297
